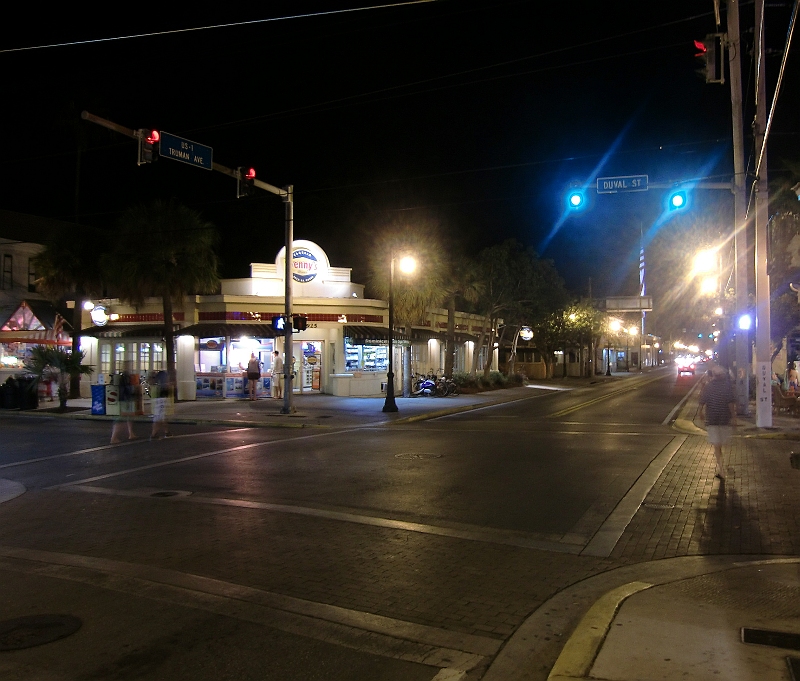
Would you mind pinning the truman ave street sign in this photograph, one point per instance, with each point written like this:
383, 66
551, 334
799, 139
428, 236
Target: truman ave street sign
186, 151
623, 183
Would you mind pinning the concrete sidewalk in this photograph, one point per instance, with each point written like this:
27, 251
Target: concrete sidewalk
324, 411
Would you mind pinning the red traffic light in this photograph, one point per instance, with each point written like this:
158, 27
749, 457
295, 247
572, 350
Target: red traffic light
153, 137
250, 174
701, 47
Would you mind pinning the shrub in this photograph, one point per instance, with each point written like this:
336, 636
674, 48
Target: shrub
464, 380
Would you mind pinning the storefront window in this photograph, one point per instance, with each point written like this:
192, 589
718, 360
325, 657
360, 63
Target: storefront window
364, 357
105, 358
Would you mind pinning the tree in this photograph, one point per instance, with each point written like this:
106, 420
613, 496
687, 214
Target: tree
53, 363
166, 250
462, 284
520, 288
69, 265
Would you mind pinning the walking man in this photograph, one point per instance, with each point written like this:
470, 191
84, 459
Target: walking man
277, 373
718, 408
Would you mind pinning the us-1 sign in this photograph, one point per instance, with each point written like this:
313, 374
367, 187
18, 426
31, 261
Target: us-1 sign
186, 151
623, 183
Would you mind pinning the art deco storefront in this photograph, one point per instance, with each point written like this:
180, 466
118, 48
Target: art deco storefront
343, 350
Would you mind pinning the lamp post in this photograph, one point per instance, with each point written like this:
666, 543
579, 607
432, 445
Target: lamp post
407, 266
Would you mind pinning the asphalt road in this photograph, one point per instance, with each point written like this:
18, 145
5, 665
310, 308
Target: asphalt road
402, 552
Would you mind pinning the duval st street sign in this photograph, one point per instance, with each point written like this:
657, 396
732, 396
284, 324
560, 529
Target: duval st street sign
623, 183
186, 151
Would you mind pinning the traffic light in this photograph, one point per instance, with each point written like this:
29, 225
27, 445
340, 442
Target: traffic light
576, 199
279, 323
148, 146
299, 323
678, 200
710, 54
244, 182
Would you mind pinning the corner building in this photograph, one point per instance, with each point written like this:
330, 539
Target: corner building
342, 351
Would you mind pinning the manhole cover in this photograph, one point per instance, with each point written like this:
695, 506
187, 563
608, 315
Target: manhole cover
417, 455
659, 507
170, 493
36, 630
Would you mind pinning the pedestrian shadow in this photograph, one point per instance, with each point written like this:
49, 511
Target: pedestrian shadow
729, 525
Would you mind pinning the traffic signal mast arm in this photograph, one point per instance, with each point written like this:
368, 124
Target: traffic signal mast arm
136, 134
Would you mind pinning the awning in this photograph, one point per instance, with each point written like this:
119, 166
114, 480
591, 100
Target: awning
221, 330
377, 333
133, 331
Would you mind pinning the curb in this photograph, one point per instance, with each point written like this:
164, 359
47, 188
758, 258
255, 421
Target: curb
582, 647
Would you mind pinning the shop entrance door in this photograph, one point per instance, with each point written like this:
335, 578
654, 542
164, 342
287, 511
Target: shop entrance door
308, 365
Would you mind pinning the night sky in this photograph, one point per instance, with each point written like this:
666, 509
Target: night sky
468, 113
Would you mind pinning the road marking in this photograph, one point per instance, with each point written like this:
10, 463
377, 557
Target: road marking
600, 398
101, 448
354, 629
606, 538
194, 457
526, 540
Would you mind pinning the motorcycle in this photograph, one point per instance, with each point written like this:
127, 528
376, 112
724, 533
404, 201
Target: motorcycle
427, 386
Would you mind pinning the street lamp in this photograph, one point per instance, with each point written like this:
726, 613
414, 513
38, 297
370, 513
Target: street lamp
407, 265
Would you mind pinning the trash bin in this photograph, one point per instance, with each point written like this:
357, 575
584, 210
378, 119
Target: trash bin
28, 393
112, 399
98, 400
10, 394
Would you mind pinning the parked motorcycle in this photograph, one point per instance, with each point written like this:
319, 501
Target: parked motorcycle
426, 386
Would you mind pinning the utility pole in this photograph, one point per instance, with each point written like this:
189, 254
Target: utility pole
763, 354
288, 388
740, 237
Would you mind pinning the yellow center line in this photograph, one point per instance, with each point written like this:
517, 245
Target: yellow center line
594, 400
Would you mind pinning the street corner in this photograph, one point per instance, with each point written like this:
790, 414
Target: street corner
583, 646
9, 489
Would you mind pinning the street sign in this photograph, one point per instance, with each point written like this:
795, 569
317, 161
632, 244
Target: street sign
186, 151
623, 183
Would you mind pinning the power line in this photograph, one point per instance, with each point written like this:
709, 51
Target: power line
213, 26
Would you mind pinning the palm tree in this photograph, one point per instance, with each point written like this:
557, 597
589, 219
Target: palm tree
163, 249
462, 284
69, 265
54, 363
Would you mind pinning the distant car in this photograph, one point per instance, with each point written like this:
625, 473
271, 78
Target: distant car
685, 367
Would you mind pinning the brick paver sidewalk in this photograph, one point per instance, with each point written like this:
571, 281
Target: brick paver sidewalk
689, 512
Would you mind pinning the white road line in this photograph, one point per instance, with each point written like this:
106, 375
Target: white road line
115, 446
606, 538
193, 457
527, 540
351, 628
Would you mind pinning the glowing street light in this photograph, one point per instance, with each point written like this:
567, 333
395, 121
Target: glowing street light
407, 265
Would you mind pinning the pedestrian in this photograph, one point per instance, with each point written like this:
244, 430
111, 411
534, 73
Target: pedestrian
718, 408
163, 398
277, 374
794, 384
253, 375
127, 408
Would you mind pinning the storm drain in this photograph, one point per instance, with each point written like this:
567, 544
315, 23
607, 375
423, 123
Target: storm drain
776, 639
794, 667
417, 455
36, 630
